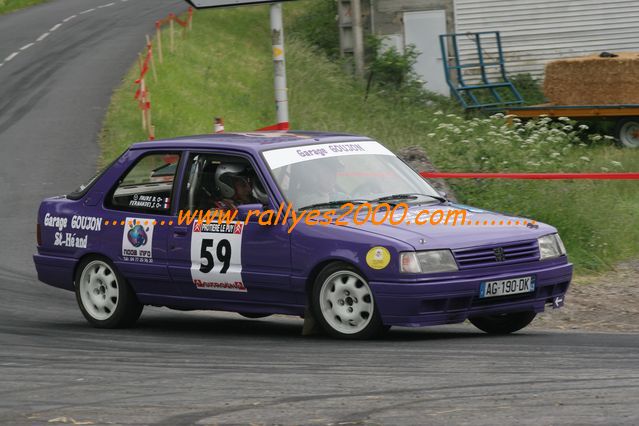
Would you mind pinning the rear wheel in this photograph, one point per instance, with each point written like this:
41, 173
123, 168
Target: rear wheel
628, 132
343, 303
504, 323
105, 298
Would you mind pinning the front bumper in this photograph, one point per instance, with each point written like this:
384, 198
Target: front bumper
448, 301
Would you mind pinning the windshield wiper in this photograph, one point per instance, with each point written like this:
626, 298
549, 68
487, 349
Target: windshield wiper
407, 196
328, 204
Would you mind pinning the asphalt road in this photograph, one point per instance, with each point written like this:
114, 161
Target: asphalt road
184, 368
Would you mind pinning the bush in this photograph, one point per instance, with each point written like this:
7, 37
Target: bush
317, 26
528, 88
389, 67
500, 144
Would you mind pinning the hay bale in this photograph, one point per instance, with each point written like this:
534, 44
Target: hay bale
592, 80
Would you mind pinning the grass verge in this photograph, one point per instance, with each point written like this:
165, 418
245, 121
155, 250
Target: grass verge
224, 68
7, 6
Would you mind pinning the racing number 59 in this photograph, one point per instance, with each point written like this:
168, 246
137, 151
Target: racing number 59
223, 252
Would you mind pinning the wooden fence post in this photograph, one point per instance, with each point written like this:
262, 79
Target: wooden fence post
147, 109
158, 37
149, 47
172, 31
143, 103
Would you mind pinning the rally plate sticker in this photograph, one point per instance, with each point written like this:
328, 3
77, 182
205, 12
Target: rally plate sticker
216, 256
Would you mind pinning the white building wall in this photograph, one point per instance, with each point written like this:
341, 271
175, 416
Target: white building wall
536, 31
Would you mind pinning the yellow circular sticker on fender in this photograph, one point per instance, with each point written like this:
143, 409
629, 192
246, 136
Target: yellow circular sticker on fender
378, 257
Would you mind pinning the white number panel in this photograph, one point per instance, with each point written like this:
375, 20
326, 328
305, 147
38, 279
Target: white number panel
216, 256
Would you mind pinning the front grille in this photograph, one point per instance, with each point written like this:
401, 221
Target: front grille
497, 254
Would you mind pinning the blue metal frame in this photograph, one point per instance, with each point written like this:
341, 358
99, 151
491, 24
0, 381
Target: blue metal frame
462, 91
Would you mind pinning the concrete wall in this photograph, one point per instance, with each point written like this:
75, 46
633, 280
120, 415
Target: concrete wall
386, 15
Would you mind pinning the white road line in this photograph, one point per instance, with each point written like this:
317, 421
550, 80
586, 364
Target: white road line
55, 27
10, 57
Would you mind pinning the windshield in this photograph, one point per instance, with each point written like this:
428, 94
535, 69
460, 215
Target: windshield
345, 171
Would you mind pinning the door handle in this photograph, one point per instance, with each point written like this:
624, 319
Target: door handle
180, 232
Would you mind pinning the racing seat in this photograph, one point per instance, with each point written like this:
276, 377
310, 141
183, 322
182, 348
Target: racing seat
207, 193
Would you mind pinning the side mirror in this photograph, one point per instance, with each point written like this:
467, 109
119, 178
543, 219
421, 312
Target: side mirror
254, 210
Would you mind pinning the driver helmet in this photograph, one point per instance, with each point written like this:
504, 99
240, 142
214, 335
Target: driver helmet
224, 176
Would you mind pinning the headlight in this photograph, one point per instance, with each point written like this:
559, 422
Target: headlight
550, 247
427, 262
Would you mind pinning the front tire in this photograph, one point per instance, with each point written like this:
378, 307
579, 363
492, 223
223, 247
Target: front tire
105, 298
504, 323
343, 303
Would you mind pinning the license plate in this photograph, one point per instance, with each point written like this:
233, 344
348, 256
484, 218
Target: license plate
507, 287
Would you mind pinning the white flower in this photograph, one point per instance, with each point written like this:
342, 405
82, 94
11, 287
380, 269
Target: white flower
584, 158
431, 135
616, 163
583, 127
564, 119
555, 155
605, 169
438, 113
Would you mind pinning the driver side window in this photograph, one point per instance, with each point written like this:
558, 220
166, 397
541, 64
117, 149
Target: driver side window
221, 182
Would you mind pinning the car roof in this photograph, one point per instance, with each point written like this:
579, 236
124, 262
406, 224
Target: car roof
249, 141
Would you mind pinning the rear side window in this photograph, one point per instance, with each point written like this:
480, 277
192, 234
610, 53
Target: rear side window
148, 186
81, 190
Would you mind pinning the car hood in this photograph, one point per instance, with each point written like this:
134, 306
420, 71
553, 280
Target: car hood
458, 236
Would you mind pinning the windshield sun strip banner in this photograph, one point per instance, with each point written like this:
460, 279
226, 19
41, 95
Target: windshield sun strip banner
277, 158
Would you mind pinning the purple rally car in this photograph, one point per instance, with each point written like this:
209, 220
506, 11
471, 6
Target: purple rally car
119, 242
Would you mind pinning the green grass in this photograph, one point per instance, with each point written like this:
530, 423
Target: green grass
224, 68
7, 6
